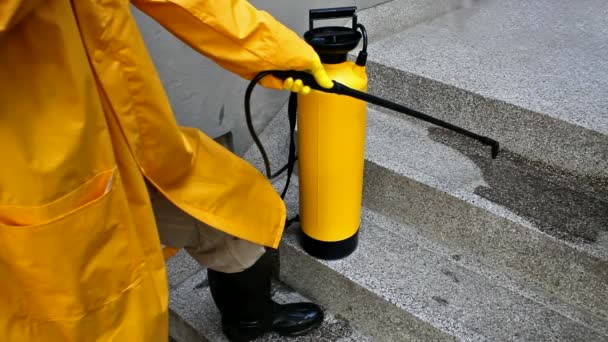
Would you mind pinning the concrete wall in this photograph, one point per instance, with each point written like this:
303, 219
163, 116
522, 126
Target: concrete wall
207, 97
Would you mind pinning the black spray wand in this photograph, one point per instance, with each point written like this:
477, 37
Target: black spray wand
341, 89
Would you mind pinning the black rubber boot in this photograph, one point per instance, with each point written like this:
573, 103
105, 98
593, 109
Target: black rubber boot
247, 309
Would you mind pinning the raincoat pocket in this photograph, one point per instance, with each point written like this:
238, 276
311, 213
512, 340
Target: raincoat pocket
77, 257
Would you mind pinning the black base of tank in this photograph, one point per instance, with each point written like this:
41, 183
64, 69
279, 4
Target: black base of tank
329, 250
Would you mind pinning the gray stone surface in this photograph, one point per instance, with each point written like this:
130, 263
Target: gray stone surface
398, 290
194, 317
547, 230
180, 267
530, 74
394, 16
495, 276
363, 4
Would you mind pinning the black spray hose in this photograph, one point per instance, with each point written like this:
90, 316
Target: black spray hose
292, 108
362, 57
254, 135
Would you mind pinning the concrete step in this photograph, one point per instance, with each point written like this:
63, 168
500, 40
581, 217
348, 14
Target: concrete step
536, 225
194, 317
398, 287
532, 223
532, 75
394, 16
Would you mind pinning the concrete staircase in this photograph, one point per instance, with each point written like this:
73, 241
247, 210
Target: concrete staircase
455, 245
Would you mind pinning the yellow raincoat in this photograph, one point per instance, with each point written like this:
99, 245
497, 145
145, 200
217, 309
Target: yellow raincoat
84, 121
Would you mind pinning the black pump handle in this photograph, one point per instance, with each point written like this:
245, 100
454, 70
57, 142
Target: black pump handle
332, 13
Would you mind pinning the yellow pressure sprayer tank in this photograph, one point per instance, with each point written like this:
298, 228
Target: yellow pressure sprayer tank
331, 141
331, 136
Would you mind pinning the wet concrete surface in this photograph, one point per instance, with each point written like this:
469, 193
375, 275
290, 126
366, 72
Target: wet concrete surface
569, 207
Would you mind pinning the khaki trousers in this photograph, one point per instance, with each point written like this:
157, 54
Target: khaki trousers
212, 248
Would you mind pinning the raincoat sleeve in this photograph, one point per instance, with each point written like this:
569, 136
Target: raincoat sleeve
234, 34
12, 11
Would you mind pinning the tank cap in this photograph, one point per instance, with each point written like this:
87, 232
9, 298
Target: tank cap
333, 43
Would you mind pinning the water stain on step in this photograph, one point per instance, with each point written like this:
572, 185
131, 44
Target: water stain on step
452, 275
568, 207
440, 300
